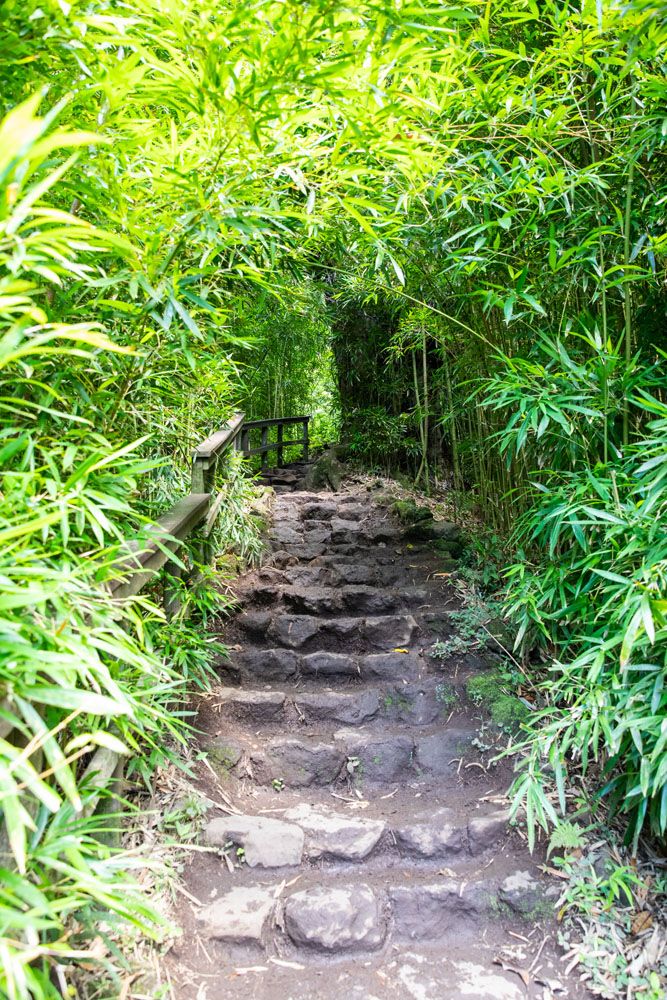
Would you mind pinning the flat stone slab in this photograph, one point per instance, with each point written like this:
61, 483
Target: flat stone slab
485, 831
429, 911
297, 763
336, 835
266, 664
266, 842
350, 709
329, 664
439, 752
248, 705
436, 835
241, 916
377, 758
335, 919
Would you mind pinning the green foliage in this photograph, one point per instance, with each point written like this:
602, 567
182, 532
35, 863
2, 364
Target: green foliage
445, 224
377, 439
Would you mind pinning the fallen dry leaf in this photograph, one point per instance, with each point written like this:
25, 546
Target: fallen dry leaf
641, 922
521, 973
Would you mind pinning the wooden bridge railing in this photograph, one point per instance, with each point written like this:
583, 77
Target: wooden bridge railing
200, 506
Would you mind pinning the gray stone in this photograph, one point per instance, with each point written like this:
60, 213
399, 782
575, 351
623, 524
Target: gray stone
224, 753
267, 664
248, 705
522, 893
293, 631
241, 916
266, 842
329, 664
412, 703
439, 752
387, 632
432, 911
314, 536
377, 758
333, 919
322, 511
336, 835
485, 831
285, 534
391, 666
432, 836
314, 600
297, 763
255, 623
325, 473
425, 531
369, 600
350, 709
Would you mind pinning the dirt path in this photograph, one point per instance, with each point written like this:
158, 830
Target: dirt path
370, 856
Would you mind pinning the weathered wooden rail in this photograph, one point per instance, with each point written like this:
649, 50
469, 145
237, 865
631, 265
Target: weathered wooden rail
172, 528
142, 560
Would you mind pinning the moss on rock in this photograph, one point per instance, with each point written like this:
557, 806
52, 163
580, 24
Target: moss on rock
506, 710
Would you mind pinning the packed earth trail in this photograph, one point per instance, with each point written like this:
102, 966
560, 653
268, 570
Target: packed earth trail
370, 856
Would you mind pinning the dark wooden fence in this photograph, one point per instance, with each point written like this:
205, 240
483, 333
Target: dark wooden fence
201, 506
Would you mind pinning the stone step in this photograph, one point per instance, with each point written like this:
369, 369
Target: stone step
252, 665
308, 633
313, 832
328, 917
359, 756
340, 600
416, 703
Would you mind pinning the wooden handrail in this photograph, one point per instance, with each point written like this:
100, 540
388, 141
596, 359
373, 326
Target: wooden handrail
143, 560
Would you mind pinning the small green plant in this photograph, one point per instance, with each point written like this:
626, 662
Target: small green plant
445, 695
566, 837
278, 784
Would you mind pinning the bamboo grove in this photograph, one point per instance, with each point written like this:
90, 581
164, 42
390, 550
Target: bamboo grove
442, 229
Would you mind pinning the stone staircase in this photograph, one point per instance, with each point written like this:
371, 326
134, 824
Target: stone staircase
369, 855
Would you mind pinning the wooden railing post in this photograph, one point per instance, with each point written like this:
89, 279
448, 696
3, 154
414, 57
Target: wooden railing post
306, 440
265, 441
245, 442
279, 449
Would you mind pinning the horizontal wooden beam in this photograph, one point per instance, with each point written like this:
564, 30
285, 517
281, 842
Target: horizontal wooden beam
216, 443
144, 559
274, 421
272, 445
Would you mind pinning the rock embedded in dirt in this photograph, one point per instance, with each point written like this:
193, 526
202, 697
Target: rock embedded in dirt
266, 664
390, 631
439, 753
248, 705
485, 831
285, 534
349, 709
241, 916
293, 631
224, 753
391, 666
329, 664
523, 894
376, 757
432, 911
297, 763
331, 834
437, 835
266, 842
334, 919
